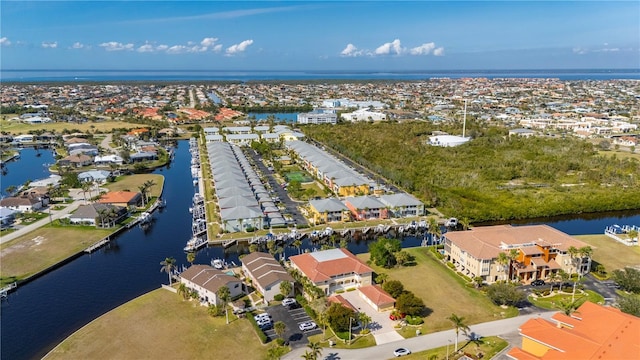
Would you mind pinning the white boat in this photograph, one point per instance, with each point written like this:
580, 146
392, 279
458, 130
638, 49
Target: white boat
452, 222
327, 231
144, 218
195, 243
217, 263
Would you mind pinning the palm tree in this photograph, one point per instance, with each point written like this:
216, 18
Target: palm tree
308, 356
143, 192
167, 266
585, 252
279, 327
297, 243
184, 291
573, 252
86, 186
364, 319
513, 255
381, 278
149, 184
464, 222
191, 257
315, 348
224, 294
285, 288
570, 307
503, 259
458, 324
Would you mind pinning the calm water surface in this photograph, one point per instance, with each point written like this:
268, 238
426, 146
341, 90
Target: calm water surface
42, 313
17, 172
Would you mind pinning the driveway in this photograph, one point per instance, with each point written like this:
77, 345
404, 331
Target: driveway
292, 319
381, 326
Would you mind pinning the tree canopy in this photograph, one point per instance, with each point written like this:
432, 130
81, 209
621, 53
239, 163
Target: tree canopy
338, 317
383, 251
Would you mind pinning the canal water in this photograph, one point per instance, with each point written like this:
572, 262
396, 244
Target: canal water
16, 173
278, 117
43, 312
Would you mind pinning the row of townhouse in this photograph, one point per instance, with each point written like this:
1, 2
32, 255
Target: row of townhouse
337, 176
365, 208
585, 126
245, 135
541, 252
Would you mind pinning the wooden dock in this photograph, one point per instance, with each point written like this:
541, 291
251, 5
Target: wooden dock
228, 243
97, 245
4, 292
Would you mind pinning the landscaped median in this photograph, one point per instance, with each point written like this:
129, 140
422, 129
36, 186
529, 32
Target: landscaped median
160, 324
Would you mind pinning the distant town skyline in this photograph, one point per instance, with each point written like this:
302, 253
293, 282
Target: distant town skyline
319, 35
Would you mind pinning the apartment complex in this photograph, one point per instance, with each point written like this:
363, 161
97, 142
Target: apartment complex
266, 274
538, 252
591, 332
333, 270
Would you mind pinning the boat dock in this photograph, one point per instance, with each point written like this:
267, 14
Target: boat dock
4, 292
97, 245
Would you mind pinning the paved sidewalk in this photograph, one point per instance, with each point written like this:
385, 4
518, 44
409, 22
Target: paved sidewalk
507, 328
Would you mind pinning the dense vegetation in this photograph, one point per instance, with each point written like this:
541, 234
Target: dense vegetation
494, 176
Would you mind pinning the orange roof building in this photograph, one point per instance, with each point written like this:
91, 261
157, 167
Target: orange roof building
377, 298
592, 332
121, 198
333, 270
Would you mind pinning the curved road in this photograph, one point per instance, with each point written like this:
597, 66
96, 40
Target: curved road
506, 328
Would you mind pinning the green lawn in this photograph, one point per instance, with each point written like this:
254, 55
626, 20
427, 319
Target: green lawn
443, 292
611, 253
160, 325
131, 183
489, 347
552, 302
42, 248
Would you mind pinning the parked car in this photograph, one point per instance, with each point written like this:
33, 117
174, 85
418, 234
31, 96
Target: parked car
288, 301
537, 282
307, 325
262, 315
401, 352
396, 315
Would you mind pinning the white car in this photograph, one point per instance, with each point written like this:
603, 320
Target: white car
263, 316
288, 301
401, 352
307, 325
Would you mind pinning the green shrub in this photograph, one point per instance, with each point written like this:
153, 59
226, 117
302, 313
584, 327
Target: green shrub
280, 342
351, 289
464, 276
450, 264
414, 320
261, 335
278, 297
339, 291
344, 335
301, 299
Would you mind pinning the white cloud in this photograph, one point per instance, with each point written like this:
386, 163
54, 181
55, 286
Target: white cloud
388, 48
4, 41
579, 50
146, 48
351, 50
424, 49
162, 47
177, 49
217, 48
116, 46
208, 42
77, 45
50, 45
439, 51
238, 48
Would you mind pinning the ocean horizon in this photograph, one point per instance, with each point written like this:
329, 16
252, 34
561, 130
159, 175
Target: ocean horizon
108, 75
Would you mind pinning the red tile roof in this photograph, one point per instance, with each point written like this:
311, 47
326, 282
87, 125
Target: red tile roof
339, 299
592, 332
317, 269
119, 197
377, 295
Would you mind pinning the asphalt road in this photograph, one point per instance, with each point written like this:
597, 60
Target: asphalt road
291, 206
507, 328
31, 227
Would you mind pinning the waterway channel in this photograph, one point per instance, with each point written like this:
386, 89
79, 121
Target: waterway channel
43, 312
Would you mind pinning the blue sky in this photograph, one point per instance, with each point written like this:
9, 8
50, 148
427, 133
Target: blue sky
315, 35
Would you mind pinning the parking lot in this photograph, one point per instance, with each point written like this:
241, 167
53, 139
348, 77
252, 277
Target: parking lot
292, 318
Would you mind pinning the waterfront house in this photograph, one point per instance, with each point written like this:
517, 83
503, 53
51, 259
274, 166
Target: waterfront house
366, 207
591, 332
128, 199
206, 281
402, 204
328, 210
245, 130
541, 251
143, 156
22, 203
209, 138
7, 217
242, 139
78, 160
94, 176
108, 160
266, 274
333, 270
99, 215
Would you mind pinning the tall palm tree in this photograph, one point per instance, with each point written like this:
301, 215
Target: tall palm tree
585, 252
279, 327
85, 186
503, 259
149, 184
513, 255
315, 348
224, 294
285, 288
308, 355
183, 290
381, 278
464, 222
143, 192
458, 324
364, 319
168, 264
573, 253
297, 243
191, 257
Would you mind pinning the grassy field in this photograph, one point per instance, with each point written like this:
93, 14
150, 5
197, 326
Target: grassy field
15, 127
43, 248
161, 325
131, 182
611, 253
490, 346
443, 292
552, 302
